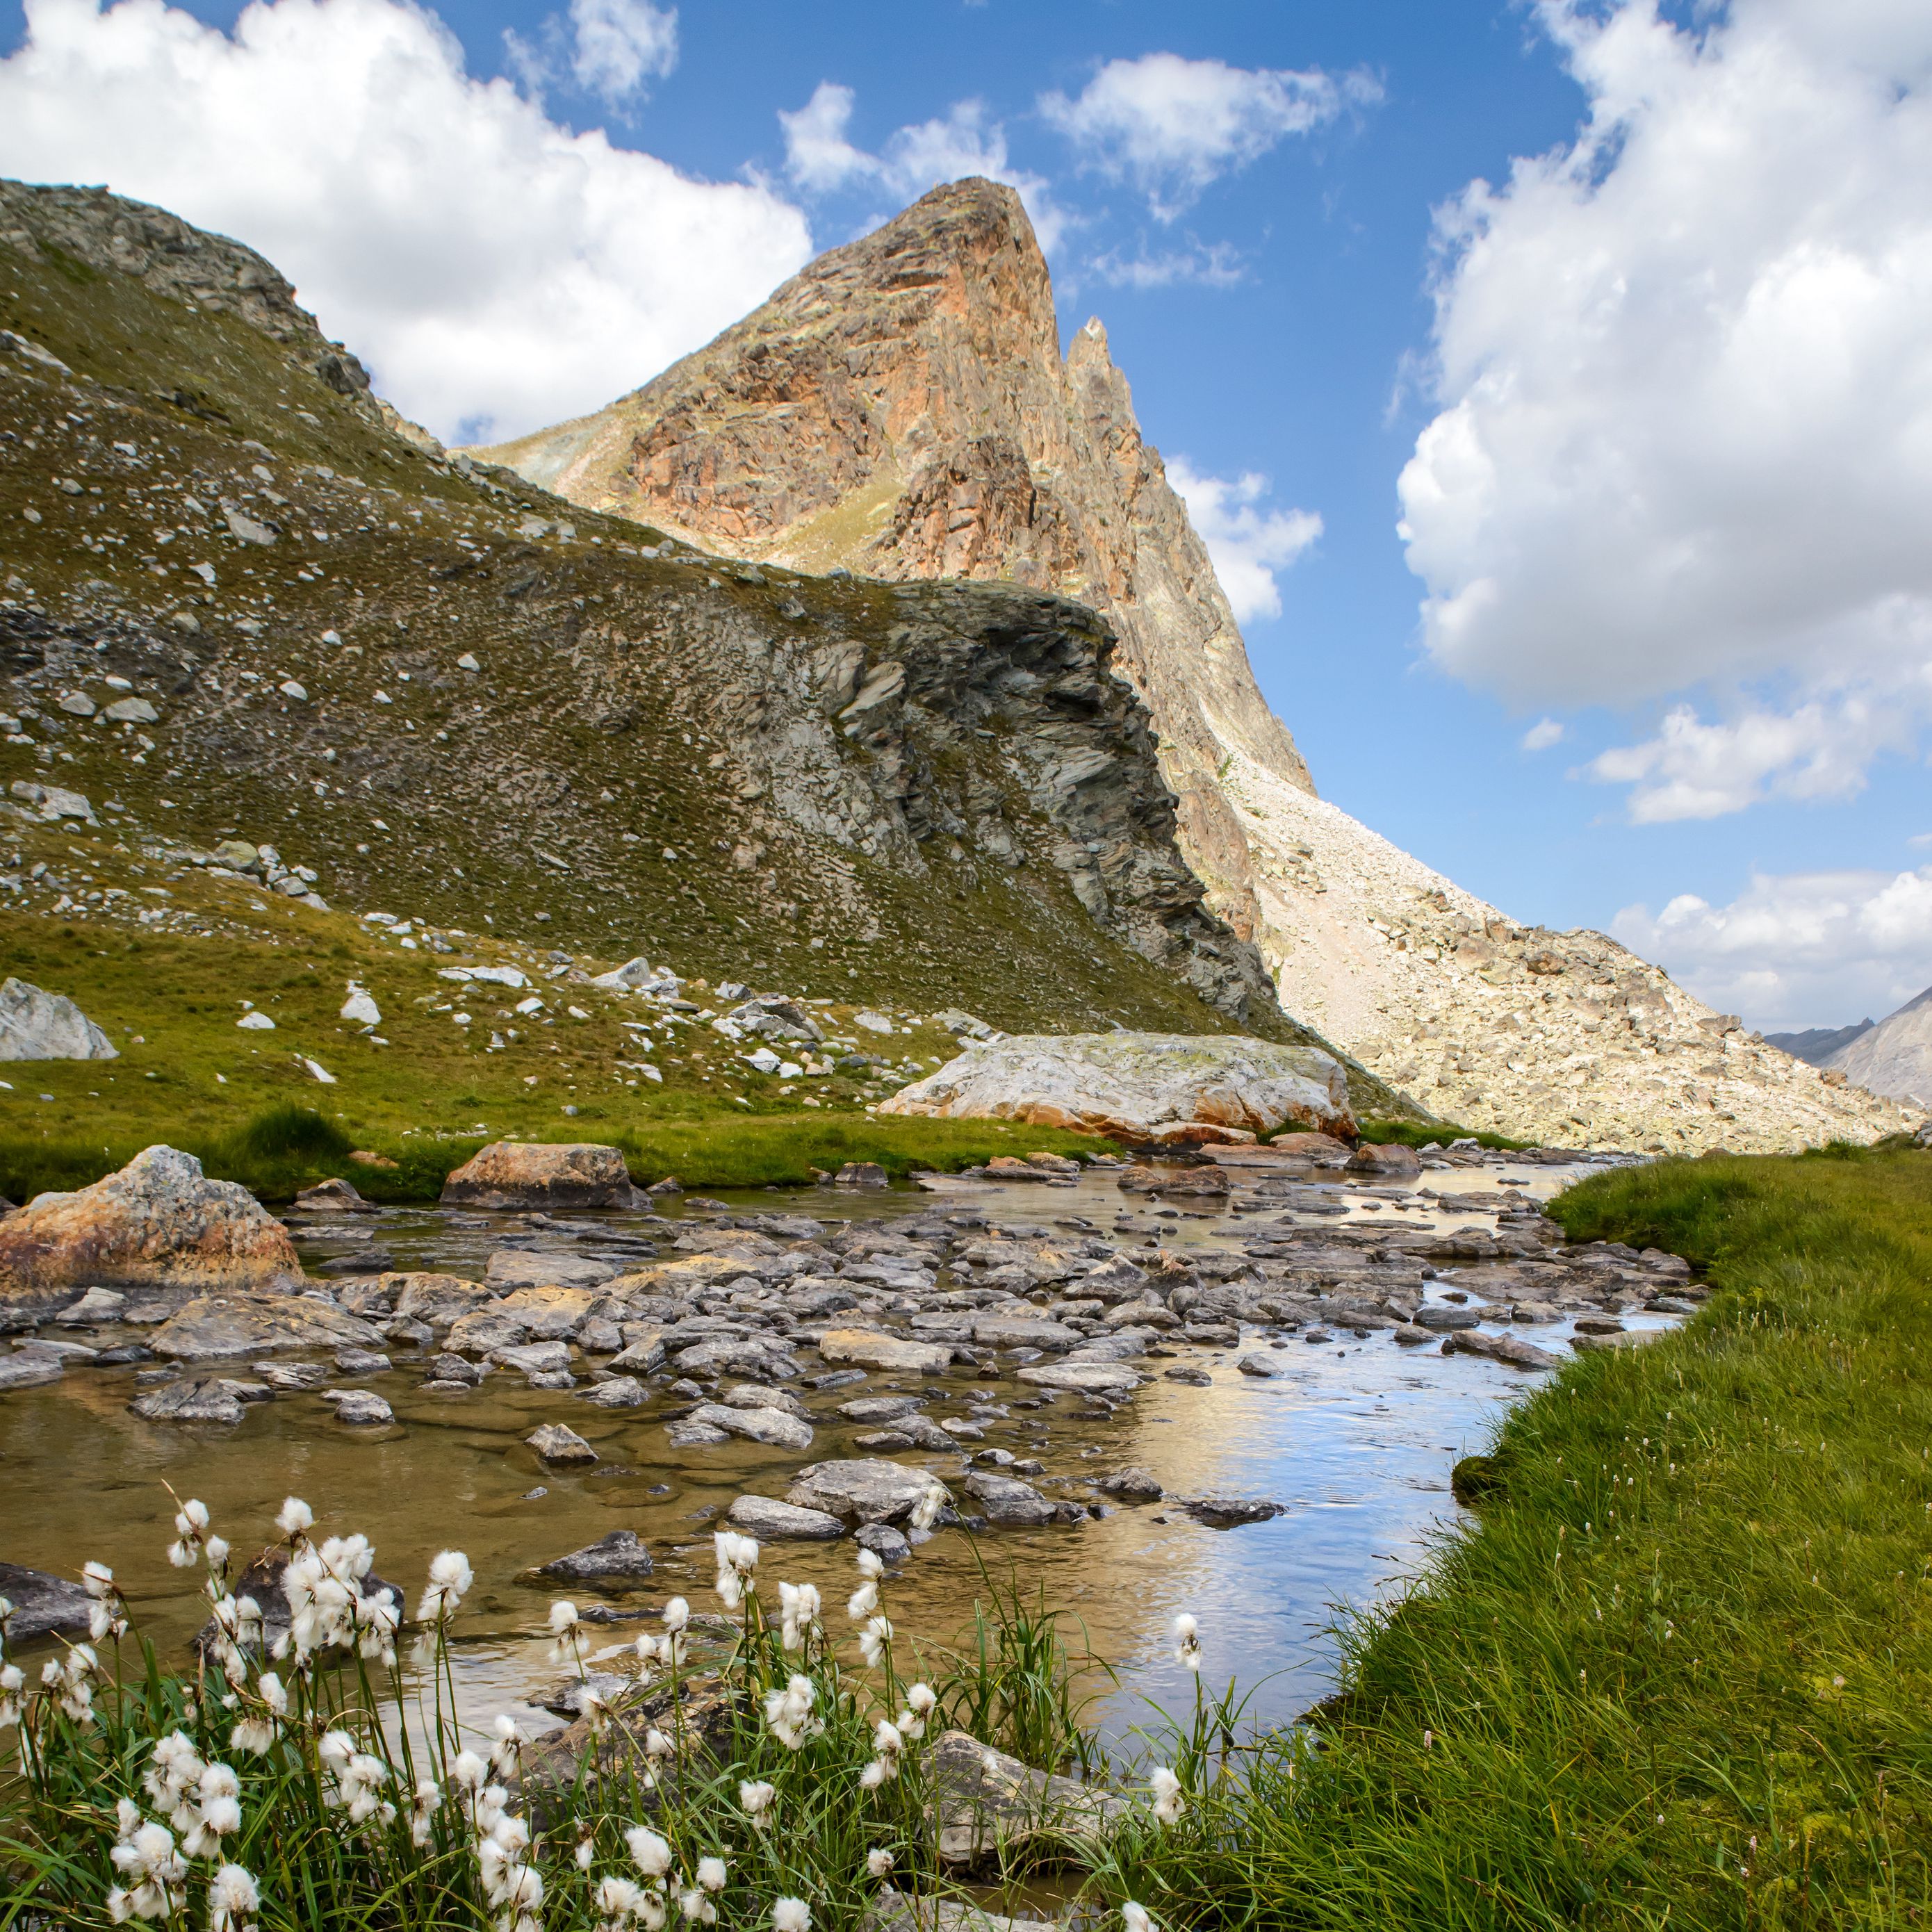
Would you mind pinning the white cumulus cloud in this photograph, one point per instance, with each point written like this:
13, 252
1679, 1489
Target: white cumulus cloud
1797, 949
1248, 545
820, 155
1544, 733
1172, 126
1684, 444
496, 271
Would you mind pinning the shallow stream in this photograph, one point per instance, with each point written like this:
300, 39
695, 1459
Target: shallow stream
1355, 1439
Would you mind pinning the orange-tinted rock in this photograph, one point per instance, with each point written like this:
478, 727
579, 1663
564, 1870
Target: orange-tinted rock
532, 1173
159, 1223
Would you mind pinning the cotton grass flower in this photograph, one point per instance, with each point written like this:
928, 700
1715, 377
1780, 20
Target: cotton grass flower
107, 1614
737, 1562
233, 1900
1137, 1918
424, 1802
450, 1577
650, 1853
191, 1527
879, 1861
12, 1679
799, 1606
296, 1518
1168, 1803
788, 1712
873, 1640
926, 1511
755, 1796
711, 1874
616, 1901
790, 1915
1187, 1635
155, 1872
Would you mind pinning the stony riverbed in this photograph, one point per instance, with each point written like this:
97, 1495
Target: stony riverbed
1302, 1345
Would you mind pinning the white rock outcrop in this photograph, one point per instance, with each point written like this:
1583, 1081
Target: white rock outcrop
1894, 1058
1172, 1089
35, 1025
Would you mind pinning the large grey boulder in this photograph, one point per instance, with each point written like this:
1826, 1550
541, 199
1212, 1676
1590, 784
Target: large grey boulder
208, 1399
988, 1804
39, 1025
771, 1521
1007, 1501
614, 1558
158, 1222
1173, 1089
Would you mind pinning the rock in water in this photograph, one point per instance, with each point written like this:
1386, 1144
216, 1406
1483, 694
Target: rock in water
215, 1328
989, 1803
158, 1223
773, 1522
38, 1025
526, 1174
612, 1558
209, 1399
1392, 1162
561, 1446
1151, 1089
42, 1604
863, 1490
335, 1197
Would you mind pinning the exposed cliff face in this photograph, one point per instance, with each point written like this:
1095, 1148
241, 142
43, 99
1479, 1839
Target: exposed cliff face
442, 693
900, 407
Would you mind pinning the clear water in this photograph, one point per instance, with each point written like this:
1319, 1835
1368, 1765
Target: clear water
1356, 1440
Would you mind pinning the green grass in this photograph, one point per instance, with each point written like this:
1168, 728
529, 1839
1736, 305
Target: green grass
1681, 1671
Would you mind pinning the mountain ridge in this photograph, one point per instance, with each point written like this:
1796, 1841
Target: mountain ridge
900, 408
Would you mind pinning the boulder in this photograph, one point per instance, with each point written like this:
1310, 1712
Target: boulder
1508, 1348
158, 1222
535, 1267
772, 1426
1007, 1501
214, 1328
771, 1521
557, 1444
869, 1348
1262, 1366
862, 1174
363, 1408
619, 1392
1230, 1512
1209, 1180
987, 1804
1134, 1485
1150, 1089
38, 1025
534, 1358
614, 1558
29, 1369
547, 1314
1109, 1379
1393, 1162
869, 1410
862, 1490
527, 1174
1323, 1147
899, 1911
1024, 1331
335, 1197
208, 1399
42, 1604
438, 1300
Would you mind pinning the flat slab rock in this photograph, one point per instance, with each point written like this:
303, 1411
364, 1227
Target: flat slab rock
1083, 1378
871, 1348
771, 1521
1507, 1348
1229, 1512
985, 1803
1175, 1089
159, 1222
527, 1174
42, 1603
772, 1426
616, 1558
215, 1327
862, 1490
208, 1398
1011, 1503
537, 1267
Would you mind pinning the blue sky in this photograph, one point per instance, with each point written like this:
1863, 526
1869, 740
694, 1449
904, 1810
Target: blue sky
1787, 796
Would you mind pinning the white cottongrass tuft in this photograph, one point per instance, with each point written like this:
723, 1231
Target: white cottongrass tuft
737, 1562
1187, 1634
450, 1577
756, 1795
233, 1899
1137, 1918
873, 1640
791, 1915
799, 1605
1168, 1803
296, 1518
879, 1861
650, 1853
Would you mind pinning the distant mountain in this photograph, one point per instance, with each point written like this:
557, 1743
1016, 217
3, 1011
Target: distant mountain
1894, 1057
901, 410
1816, 1045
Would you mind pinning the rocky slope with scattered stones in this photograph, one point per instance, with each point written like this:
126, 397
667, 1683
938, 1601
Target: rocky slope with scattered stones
236, 598
901, 407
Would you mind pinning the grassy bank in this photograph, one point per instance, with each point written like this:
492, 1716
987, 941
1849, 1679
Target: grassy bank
288, 1147
1434, 1133
1682, 1671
